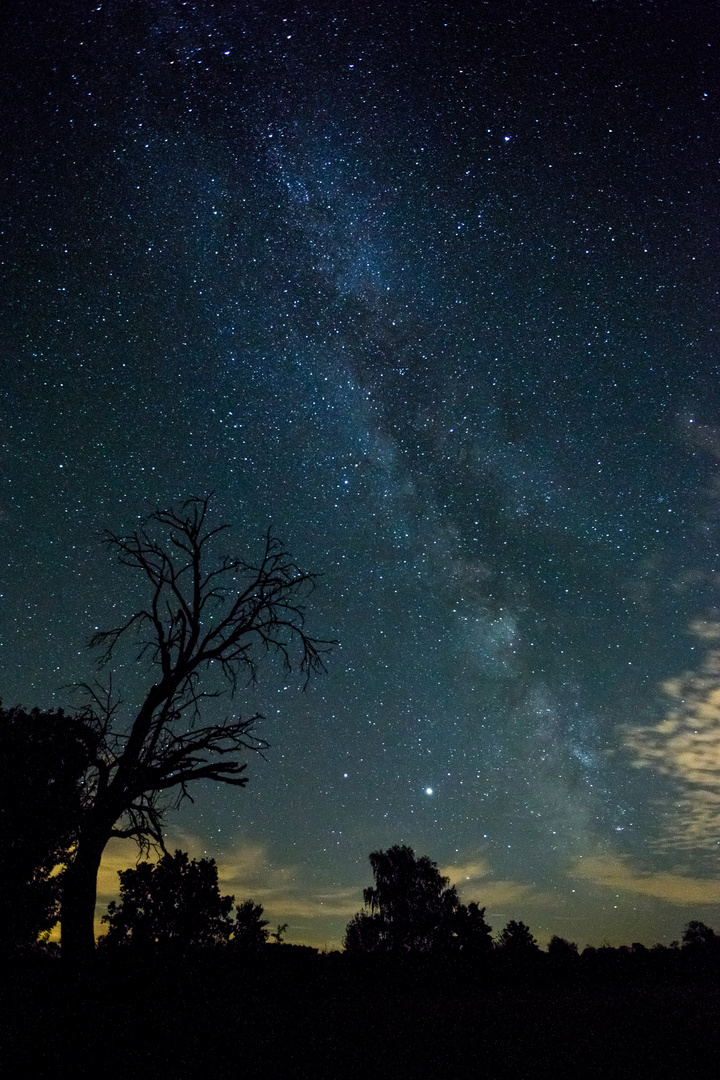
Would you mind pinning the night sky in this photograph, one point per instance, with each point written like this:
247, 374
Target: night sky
432, 290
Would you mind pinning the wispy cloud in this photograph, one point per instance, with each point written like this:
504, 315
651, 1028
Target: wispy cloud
617, 873
493, 894
473, 870
685, 746
247, 871
475, 882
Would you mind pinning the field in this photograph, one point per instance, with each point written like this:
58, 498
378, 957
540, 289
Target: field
302, 1015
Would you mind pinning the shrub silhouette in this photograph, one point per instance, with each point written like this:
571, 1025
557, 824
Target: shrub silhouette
249, 933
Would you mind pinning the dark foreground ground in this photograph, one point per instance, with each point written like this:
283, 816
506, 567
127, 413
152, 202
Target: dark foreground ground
322, 1017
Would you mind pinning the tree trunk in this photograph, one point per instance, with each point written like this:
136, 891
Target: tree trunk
79, 895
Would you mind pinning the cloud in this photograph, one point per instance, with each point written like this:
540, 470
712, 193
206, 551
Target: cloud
615, 872
245, 865
469, 871
685, 746
497, 893
338, 903
118, 855
706, 629
474, 877
247, 871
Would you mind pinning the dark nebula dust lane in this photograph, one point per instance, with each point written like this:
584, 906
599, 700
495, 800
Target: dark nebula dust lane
433, 293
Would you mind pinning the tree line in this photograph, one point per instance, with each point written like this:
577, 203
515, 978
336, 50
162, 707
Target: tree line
174, 908
69, 783
411, 912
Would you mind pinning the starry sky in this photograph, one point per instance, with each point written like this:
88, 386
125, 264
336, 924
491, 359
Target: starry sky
432, 290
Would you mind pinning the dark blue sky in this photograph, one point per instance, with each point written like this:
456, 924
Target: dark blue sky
434, 294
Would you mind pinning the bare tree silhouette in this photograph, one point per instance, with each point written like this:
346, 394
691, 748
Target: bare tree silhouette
203, 631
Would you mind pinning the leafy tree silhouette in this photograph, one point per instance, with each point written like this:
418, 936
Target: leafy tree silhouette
43, 758
411, 907
473, 936
365, 934
249, 933
563, 955
516, 942
203, 630
172, 906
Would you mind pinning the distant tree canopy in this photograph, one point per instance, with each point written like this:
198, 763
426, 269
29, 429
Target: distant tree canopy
698, 935
412, 910
43, 759
701, 943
